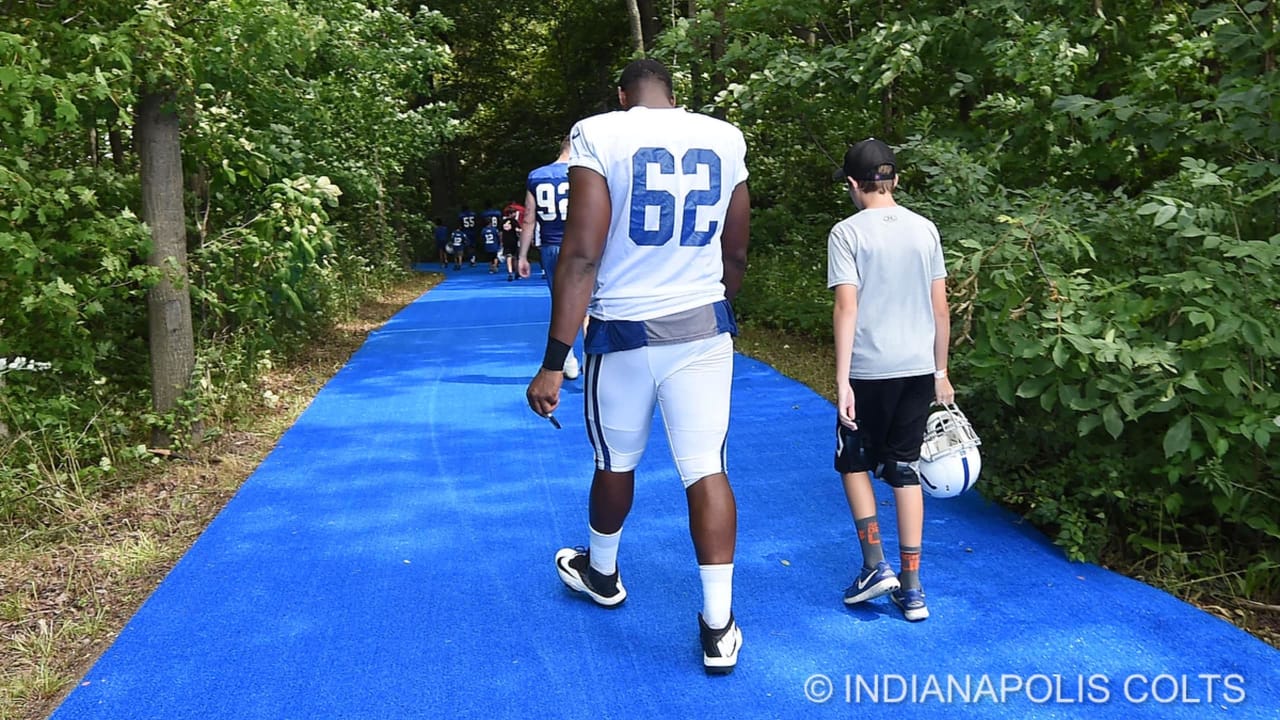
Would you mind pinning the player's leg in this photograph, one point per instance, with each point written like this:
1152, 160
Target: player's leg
694, 386
694, 389
902, 447
856, 455
550, 258
509, 252
618, 409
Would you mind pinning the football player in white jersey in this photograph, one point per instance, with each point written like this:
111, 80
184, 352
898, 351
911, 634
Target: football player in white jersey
654, 250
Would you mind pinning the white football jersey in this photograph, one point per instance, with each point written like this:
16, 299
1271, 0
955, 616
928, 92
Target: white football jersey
670, 174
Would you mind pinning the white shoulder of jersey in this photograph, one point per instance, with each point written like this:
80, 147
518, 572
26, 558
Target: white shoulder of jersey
583, 151
595, 139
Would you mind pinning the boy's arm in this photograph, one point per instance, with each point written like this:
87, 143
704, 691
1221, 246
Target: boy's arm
944, 393
844, 319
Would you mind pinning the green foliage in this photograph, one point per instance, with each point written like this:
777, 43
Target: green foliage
785, 284
1105, 180
523, 73
67, 246
275, 271
1108, 193
300, 120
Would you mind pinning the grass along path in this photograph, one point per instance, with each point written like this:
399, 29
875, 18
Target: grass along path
67, 591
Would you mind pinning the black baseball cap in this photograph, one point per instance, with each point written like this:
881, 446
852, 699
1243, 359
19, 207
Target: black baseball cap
863, 161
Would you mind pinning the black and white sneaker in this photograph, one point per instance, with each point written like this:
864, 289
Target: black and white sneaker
574, 567
720, 647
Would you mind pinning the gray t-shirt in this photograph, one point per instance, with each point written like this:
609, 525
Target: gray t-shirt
892, 255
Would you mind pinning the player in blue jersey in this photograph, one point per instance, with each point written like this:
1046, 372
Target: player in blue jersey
490, 236
491, 217
470, 224
655, 248
547, 197
491, 244
458, 245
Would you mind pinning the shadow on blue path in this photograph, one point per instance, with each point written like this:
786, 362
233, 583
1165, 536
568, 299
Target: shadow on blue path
392, 558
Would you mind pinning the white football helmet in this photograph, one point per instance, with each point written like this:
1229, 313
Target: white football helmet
949, 458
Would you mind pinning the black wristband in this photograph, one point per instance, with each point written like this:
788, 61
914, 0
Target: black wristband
554, 357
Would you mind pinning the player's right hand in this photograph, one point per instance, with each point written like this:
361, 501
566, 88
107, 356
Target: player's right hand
522, 267
544, 390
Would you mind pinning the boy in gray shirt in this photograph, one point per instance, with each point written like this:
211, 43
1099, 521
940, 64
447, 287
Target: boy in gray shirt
892, 328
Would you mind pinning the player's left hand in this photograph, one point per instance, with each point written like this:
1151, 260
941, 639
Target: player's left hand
544, 391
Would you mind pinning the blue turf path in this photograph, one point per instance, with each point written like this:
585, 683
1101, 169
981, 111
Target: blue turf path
392, 558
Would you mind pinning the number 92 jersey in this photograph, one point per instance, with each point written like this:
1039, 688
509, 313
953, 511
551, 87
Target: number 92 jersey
549, 186
670, 174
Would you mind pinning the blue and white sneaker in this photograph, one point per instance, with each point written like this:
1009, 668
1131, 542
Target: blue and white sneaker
871, 583
911, 602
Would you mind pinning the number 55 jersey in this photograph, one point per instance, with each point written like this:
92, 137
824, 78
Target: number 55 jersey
670, 174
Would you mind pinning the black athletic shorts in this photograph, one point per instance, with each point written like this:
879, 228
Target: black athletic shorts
891, 419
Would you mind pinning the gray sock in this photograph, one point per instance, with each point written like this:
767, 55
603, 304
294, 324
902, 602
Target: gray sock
869, 538
909, 575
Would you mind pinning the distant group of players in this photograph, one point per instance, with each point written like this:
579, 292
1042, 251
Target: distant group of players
491, 236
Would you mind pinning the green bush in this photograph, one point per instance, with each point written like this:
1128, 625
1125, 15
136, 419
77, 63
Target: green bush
1120, 356
285, 107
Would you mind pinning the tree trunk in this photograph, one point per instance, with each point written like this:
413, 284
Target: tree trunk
93, 146
384, 224
886, 99
169, 302
1267, 21
116, 142
648, 21
443, 178
695, 64
637, 32
718, 82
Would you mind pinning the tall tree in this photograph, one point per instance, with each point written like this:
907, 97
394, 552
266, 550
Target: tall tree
637, 29
159, 144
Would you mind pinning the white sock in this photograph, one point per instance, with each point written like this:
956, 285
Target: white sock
604, 551
717, 594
